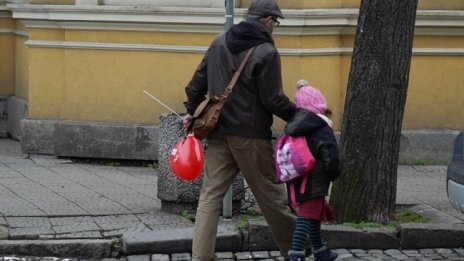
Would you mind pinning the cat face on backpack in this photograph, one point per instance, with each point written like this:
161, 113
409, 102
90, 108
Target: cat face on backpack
284, 158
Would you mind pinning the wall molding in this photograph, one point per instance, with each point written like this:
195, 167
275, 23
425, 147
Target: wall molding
211, 20
14, 32
202, 49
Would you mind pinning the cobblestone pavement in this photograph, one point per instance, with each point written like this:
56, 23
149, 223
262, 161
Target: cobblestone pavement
344, 254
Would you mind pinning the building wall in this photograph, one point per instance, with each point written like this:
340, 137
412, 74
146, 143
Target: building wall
91, 63
81, 81
7, 51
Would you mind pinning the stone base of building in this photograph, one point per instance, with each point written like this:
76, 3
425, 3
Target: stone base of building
140, 142
90, 139
12, 110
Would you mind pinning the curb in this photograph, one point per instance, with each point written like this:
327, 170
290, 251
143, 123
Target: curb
258, 237
417, 235
178, 240
88, 248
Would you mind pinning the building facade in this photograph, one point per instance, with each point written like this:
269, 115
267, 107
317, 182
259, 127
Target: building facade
73, 72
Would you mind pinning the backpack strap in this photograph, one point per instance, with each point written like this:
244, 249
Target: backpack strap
291, 186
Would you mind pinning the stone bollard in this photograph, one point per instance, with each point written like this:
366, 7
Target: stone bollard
178, 195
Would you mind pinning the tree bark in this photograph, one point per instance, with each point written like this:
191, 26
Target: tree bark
373, 114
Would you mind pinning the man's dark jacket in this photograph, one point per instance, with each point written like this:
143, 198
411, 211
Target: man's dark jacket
258, 93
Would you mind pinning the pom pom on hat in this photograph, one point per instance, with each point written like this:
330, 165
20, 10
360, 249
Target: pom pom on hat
301, 83
310, 98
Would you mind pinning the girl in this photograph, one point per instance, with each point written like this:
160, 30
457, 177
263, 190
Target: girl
312, 120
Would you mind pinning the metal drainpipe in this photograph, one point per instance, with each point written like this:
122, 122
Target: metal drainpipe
227, 201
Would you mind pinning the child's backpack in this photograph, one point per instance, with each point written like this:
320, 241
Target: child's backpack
293, 158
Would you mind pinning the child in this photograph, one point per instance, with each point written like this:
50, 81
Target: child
311, 120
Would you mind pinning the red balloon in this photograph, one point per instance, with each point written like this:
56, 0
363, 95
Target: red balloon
187, 158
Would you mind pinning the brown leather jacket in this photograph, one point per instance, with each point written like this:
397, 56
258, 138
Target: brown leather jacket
255, 98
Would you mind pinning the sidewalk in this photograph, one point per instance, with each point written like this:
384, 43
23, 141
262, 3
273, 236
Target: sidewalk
53, 207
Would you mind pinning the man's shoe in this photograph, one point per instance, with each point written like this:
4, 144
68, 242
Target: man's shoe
324, 254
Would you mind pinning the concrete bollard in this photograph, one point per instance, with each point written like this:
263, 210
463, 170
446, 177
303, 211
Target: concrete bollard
179, 195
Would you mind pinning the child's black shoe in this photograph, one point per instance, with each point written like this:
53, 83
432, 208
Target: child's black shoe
296, 255
324, 254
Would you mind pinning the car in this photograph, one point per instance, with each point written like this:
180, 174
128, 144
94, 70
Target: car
455, 175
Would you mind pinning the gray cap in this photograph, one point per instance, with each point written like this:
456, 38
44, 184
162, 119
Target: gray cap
265, 8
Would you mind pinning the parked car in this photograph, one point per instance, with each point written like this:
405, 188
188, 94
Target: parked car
455, 175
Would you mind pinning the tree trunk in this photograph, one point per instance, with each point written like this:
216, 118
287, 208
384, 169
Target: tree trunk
373, 114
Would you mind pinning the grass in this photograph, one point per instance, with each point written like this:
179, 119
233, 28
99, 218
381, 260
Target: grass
403, 215
186, 214
408, 216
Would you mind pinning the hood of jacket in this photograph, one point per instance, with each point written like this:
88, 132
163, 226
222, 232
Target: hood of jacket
303, 122
247, 34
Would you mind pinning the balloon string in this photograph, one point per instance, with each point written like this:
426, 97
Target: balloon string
167, 107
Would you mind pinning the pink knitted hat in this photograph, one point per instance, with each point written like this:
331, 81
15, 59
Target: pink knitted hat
310, 98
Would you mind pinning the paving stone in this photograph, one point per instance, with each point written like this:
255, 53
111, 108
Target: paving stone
274, 253
138, 258
75, 229
3, 232
71, 221
18, 222
114, 233
181, 257
260, 254
426, 251
162, 218
73, 224
47, 258
443, 251
393, 252
77, 235
13, 205
3, 221
115, 222
361, 254
225, 255
29, 232
345, 256
46, 237
243, 256
160, 257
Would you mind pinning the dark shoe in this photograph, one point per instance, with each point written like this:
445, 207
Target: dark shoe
324, 254
296, 255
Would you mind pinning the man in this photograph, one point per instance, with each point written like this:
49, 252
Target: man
241, 141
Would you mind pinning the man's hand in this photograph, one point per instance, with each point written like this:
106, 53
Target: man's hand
187, 120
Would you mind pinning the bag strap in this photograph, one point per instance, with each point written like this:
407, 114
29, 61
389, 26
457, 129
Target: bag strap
234, 80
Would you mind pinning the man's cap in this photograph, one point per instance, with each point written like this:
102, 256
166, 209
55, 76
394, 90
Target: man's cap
264, 8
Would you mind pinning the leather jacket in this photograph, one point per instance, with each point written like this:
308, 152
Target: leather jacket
257, 95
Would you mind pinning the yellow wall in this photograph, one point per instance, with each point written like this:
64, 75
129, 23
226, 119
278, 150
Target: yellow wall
89, 84
7, 57
107, 85
21, 68
435, 94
